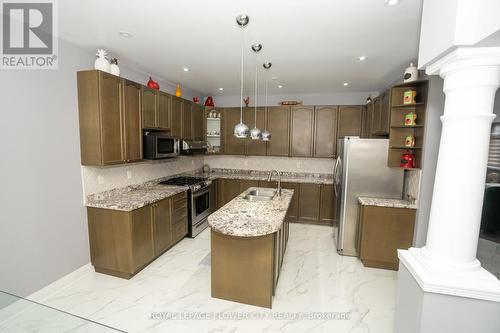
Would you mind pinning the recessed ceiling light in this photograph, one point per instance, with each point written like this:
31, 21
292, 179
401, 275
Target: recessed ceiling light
346, 84
185, 69
125, 34
280, 86
391, 2
221, 89
362, 58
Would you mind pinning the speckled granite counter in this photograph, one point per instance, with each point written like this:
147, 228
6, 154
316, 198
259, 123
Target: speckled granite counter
385, 202
291, 177
133, 197
245, 218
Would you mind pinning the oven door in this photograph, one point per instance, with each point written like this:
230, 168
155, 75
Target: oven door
200, 206
166, 147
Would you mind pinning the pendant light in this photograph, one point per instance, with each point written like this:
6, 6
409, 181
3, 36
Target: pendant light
256, 133
241, 130
266, 136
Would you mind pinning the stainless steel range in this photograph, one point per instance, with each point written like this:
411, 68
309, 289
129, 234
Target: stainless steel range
199, 203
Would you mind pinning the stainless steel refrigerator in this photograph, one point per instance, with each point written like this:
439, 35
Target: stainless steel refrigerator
361, 170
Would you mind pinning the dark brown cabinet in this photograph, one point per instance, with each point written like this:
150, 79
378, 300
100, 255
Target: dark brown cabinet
155, 109
301, 131
278, 122
228, 190
327, 204
349, 121
187, 128
377, 111
309, 203
132, 121
325, 131
109, 114
367, 124
382, 232
162, 226
293, 209
255, 147
142, 237
231, 144
381, 114
245, 184
198, 119
176, 117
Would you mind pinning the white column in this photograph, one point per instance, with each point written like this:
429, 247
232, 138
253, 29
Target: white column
471, 78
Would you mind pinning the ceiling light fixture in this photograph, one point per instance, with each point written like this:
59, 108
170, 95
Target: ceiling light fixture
221, 89
241, 130
280, 86
390, 3
266, 136
362, 58
346, 84
256, 133
185, 69
125, 34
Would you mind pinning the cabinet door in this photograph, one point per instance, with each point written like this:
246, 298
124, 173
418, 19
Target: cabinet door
245, 184
325, 131
142, 237
176, 117
163, 109
162, 226
232, 145
111, 127
255, 147
301, 131
228, 190
350, 120
309, 202
368, 121
214, 188
385, 113
278, 124
377, 111
132, 121
293, 209
198, 122
187, 128
149, 104
327, 204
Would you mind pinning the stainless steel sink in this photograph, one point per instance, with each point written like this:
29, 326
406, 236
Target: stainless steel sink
260, 195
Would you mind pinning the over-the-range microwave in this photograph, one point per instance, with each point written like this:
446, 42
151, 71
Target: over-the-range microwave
157, 145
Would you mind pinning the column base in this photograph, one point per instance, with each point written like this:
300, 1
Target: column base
435, 277
418, 311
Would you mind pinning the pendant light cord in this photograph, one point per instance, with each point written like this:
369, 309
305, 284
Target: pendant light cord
265, 123
241, 78
255, 110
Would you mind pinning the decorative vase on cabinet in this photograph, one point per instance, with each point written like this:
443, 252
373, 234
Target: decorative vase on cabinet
102, 63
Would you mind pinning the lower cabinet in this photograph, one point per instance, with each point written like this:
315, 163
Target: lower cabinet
280, 242
382, 231
122, 243
309, 203
228, 189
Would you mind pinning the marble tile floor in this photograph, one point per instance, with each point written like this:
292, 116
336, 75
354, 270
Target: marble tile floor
314, 279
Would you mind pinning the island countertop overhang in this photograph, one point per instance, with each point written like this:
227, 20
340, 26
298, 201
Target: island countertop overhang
245, 218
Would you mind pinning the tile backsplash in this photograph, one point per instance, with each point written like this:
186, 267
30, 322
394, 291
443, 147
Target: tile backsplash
266, 163
99, 179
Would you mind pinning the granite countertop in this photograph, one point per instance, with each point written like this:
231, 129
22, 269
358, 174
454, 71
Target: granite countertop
133, 197
245, 218
387, 202
291, 177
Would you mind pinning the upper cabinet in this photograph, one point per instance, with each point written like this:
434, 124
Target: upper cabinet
156, 108
301, 131
278, 122
349, 120
176, 117
198, 122
381, 114
187, 128
255, 147
377, 110
232, 145
325, 131
108, 121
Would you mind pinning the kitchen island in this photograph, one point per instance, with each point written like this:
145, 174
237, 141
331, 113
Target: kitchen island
248, 242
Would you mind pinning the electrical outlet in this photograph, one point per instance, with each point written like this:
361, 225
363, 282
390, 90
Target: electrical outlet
100, 180
129, 174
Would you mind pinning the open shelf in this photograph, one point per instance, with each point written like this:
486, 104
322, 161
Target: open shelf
403, 126
402, 106
213, 119
213, 136
404, 147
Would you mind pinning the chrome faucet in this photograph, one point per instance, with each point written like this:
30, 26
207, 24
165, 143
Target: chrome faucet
279, 180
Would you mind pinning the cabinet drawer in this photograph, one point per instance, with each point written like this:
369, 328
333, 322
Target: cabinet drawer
179, 231
179, 199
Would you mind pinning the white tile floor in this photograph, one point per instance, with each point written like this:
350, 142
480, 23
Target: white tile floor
314, 278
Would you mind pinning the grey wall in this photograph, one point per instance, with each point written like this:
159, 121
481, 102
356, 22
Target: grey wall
43, 228
435, 108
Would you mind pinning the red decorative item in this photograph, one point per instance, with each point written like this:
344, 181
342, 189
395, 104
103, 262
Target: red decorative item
196, 99
209, 101
153, 84
407, 160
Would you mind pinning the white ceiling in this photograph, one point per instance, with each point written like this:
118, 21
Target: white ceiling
313, 44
